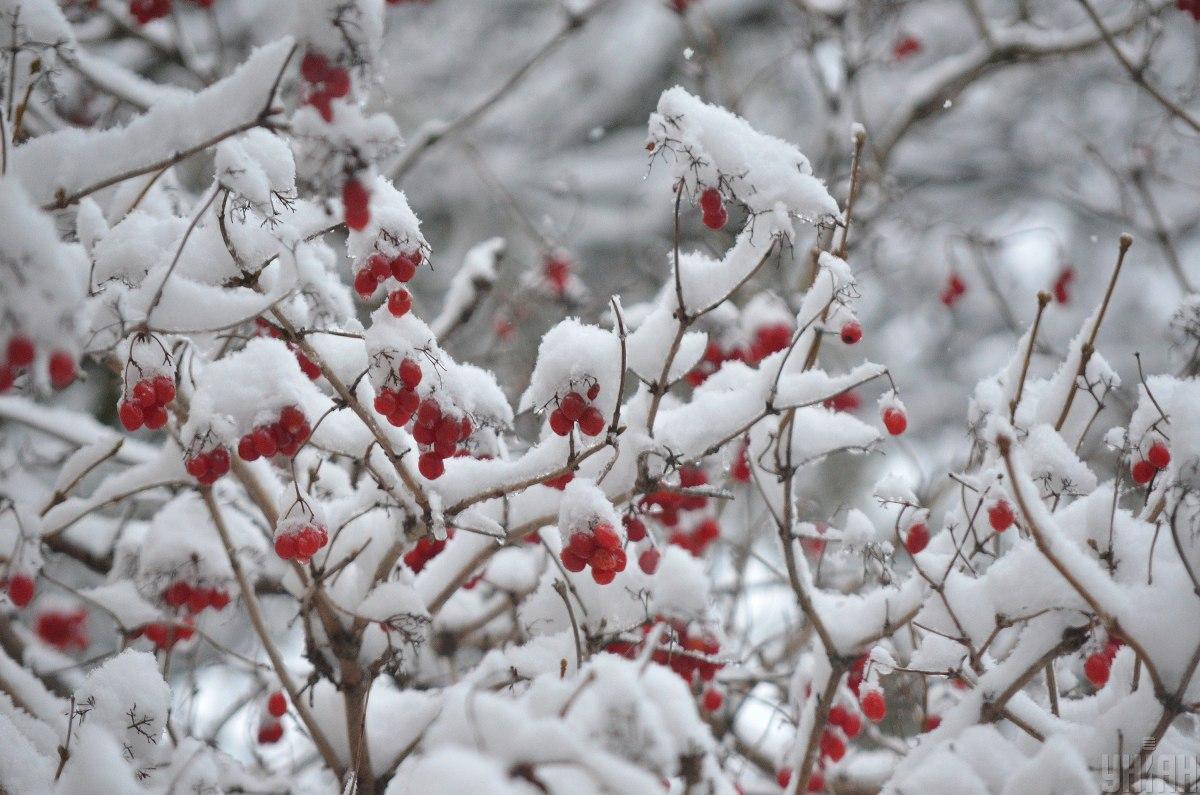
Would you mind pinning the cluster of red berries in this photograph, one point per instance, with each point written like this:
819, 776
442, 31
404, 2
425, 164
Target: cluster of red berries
768, 339
1190, 6
917, 537
955, 289
207, 466
426, 549
714, 357
164, 635
574, 409
307, 366
598, 547
895, 420
64, 630
19, 355
195, 598
270, 730
301, 542
906, 46
439, 433
399, 404
146, 404
1000, 516
816, 780
149, 10
556, 269
20, 589
326, 82
712, 209
1158, 457
380, 268
843, 401
699, 538
688, 653
1098, 664
846, 720
1065, 277
283, 437
356, 201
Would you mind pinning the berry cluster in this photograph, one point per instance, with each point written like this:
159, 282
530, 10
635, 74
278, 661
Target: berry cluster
326, 82
20, 589
1098, 664
666, 505
599, 547
574, 409
19, 356
1190, 6
207, 466
379, 269
299, 542
426, 549
556, 269
146, 404
438, 431
712, 209
270, 730
164, 634
399, 404
688, 653
1065, 277
196, 598
1158, 457
64, 630
307, 366
955, 289
356, 204
283, 437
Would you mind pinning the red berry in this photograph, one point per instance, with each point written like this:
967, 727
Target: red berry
143, 394
313, 67
1000, 516
431, 466
874, 706
130, 414
895, 421
337, 82
7, 377
711, 201
270, 733
177, 594
218, 599
581, 544
385, 402
606, 537
20, 589
917, 538
593, 391
285, 546
712, 699
931, 722
648, 561
308, 543
635, 528
851, 333
410, 373
62, 369
399, 302
572, 562
155, 418
851, 725
1158, 455
559, 422
403, 268
784, 777
197, 600
277, 704
246, 449
293, 420
164, 389
592, 422
264, 443
1142, 472
20, 351
832, 746
716, 220
572, 406
429, 413
365, 283
603, 576
816, 782
354, 199
1096, 668
380, 267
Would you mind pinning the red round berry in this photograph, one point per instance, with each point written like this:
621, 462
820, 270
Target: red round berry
648, 560
711, 201
832, 746
559, 422
155, 417
431, 466
62, 369
403, 268
355, 200
592, 422
1000, 516
285, 546
365, 283
572, 406
635, 528
784, 777
1096, 668
593, 391
917, 538
874, 706
20, 589
1158, 455
20, 351
399, 302
270, 733
895, 421
130, 414
606, 537
277, 704
380, 267
572, 562
385, 402
410, 373
1142, 471
851, 332
712, 700
603, 576
164, 389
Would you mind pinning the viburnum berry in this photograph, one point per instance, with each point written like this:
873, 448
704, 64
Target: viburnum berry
592, 422
1000, 516
20, 351
635, 528
648, 560
1096, 668
931, 722
20, 589
149, 10
895, 420
917, 538
64, 630
598, 547
832, 746
843, 401
355, 201
130, 414
851, 332
712, 208
300, 541
365, 283
712, 699
207, 466
270, 733
846, 720
277, 704
955, 288
1158, 455
62, 369
410, 373
1141, 472
431, 465
399, 302
784, 777
873, 705
816, 781
285, 436
426, 549
327, 81
769, 339
1061, 283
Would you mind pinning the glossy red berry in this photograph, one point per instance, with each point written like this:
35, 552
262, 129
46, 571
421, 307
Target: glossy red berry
20, 351
399, 302
365, 283
431, 466
62, 369
403, 268
648, 560
635, 528
895, 421
155, 417
572, 406
874, 706
716, 220
1141, 472
559, 423
1000, 516
832, 746
592, 422
712, 699
1096, 668
130, 414
270, 733
917, 538
851, 332
1158, 455
355, 200
410, 373
277, 704
20, 589
784, 777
